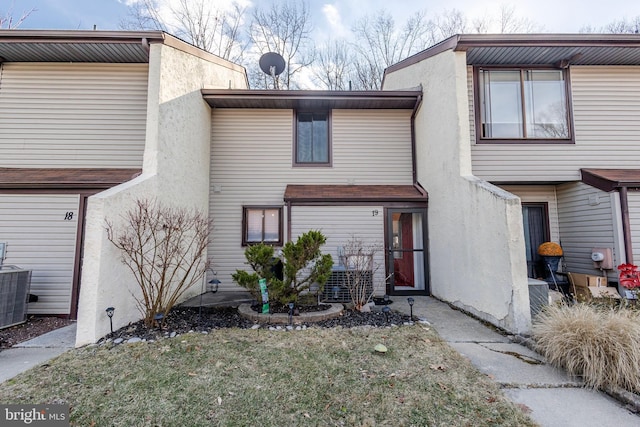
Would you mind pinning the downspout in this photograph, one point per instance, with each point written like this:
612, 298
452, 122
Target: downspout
145, 44
289, 221
414, 165
626, 225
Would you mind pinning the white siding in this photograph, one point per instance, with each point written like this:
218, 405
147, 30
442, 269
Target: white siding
586, 222
540, 194
40, 239
72, 115
634, 218
606, 113
251, 164
339, 224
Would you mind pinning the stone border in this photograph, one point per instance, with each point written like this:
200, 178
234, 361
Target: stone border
282, 318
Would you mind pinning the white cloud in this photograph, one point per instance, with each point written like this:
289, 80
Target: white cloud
335, 25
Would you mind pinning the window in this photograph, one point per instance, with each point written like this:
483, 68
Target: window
261, 224
523, 105
312, 138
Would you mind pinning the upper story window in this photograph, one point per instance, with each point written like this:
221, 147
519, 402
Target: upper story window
312, 139
523, 105
262, 224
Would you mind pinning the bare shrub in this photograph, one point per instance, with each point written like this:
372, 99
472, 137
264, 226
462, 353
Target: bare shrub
360, 270
601, 345
164, 248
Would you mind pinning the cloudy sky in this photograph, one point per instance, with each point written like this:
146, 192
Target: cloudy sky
336, 17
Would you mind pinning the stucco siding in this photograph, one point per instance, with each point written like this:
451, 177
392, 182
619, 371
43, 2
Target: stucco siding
606, 116
72, 115
586, 222
175, 172
251, 164
40, 232
633, 198
477, 254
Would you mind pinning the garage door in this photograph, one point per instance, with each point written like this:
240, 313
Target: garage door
40, 232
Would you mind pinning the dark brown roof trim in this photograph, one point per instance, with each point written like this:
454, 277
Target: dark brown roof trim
94, 46
63, 178
611, 179
446, 44
467, 42
79, 36
353, 194
289, 99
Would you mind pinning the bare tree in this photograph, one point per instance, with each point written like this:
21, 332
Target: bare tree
165, 249
505, 21
381, 44
200, 22
510, 22
285, 28
334, 65
448, 24
620, 26
8, 21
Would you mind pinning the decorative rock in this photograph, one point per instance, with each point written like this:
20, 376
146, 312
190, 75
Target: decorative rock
118, 341
289, 328
256, 326
133, 340
298, 328
271, 328
172, 335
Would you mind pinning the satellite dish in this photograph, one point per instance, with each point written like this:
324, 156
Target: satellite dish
272, 64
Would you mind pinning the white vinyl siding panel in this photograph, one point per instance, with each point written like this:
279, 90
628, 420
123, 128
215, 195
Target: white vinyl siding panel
586, 222
633, 198
339, 224
606, 115
72, 115
540, 194
40, 239
251, 164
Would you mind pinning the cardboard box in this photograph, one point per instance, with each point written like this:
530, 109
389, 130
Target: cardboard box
596, 281
603, 292
586, 287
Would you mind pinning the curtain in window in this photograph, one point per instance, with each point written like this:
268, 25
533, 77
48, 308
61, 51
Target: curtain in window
313, 138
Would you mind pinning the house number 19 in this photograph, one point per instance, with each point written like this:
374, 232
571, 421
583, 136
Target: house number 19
68, 216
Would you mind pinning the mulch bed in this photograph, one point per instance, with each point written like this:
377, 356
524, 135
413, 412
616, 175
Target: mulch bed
185, 319
34, 327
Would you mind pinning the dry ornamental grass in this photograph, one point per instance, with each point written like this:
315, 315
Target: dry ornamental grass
600, 344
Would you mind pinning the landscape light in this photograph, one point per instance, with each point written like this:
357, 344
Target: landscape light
110, 311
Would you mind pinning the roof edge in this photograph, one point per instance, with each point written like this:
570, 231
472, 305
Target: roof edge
18, 35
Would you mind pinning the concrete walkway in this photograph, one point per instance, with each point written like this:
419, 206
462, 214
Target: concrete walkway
28, 354
554, 398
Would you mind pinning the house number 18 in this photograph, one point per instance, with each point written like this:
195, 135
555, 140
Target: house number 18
68, 216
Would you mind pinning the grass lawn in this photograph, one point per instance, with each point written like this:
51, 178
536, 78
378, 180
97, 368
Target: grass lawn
233, 377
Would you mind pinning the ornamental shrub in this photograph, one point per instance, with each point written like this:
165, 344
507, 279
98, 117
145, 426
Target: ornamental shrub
303, 265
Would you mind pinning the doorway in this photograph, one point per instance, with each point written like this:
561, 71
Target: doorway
535, 221
406, 255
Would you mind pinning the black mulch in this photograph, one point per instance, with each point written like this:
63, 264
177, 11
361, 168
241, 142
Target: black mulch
184, 319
